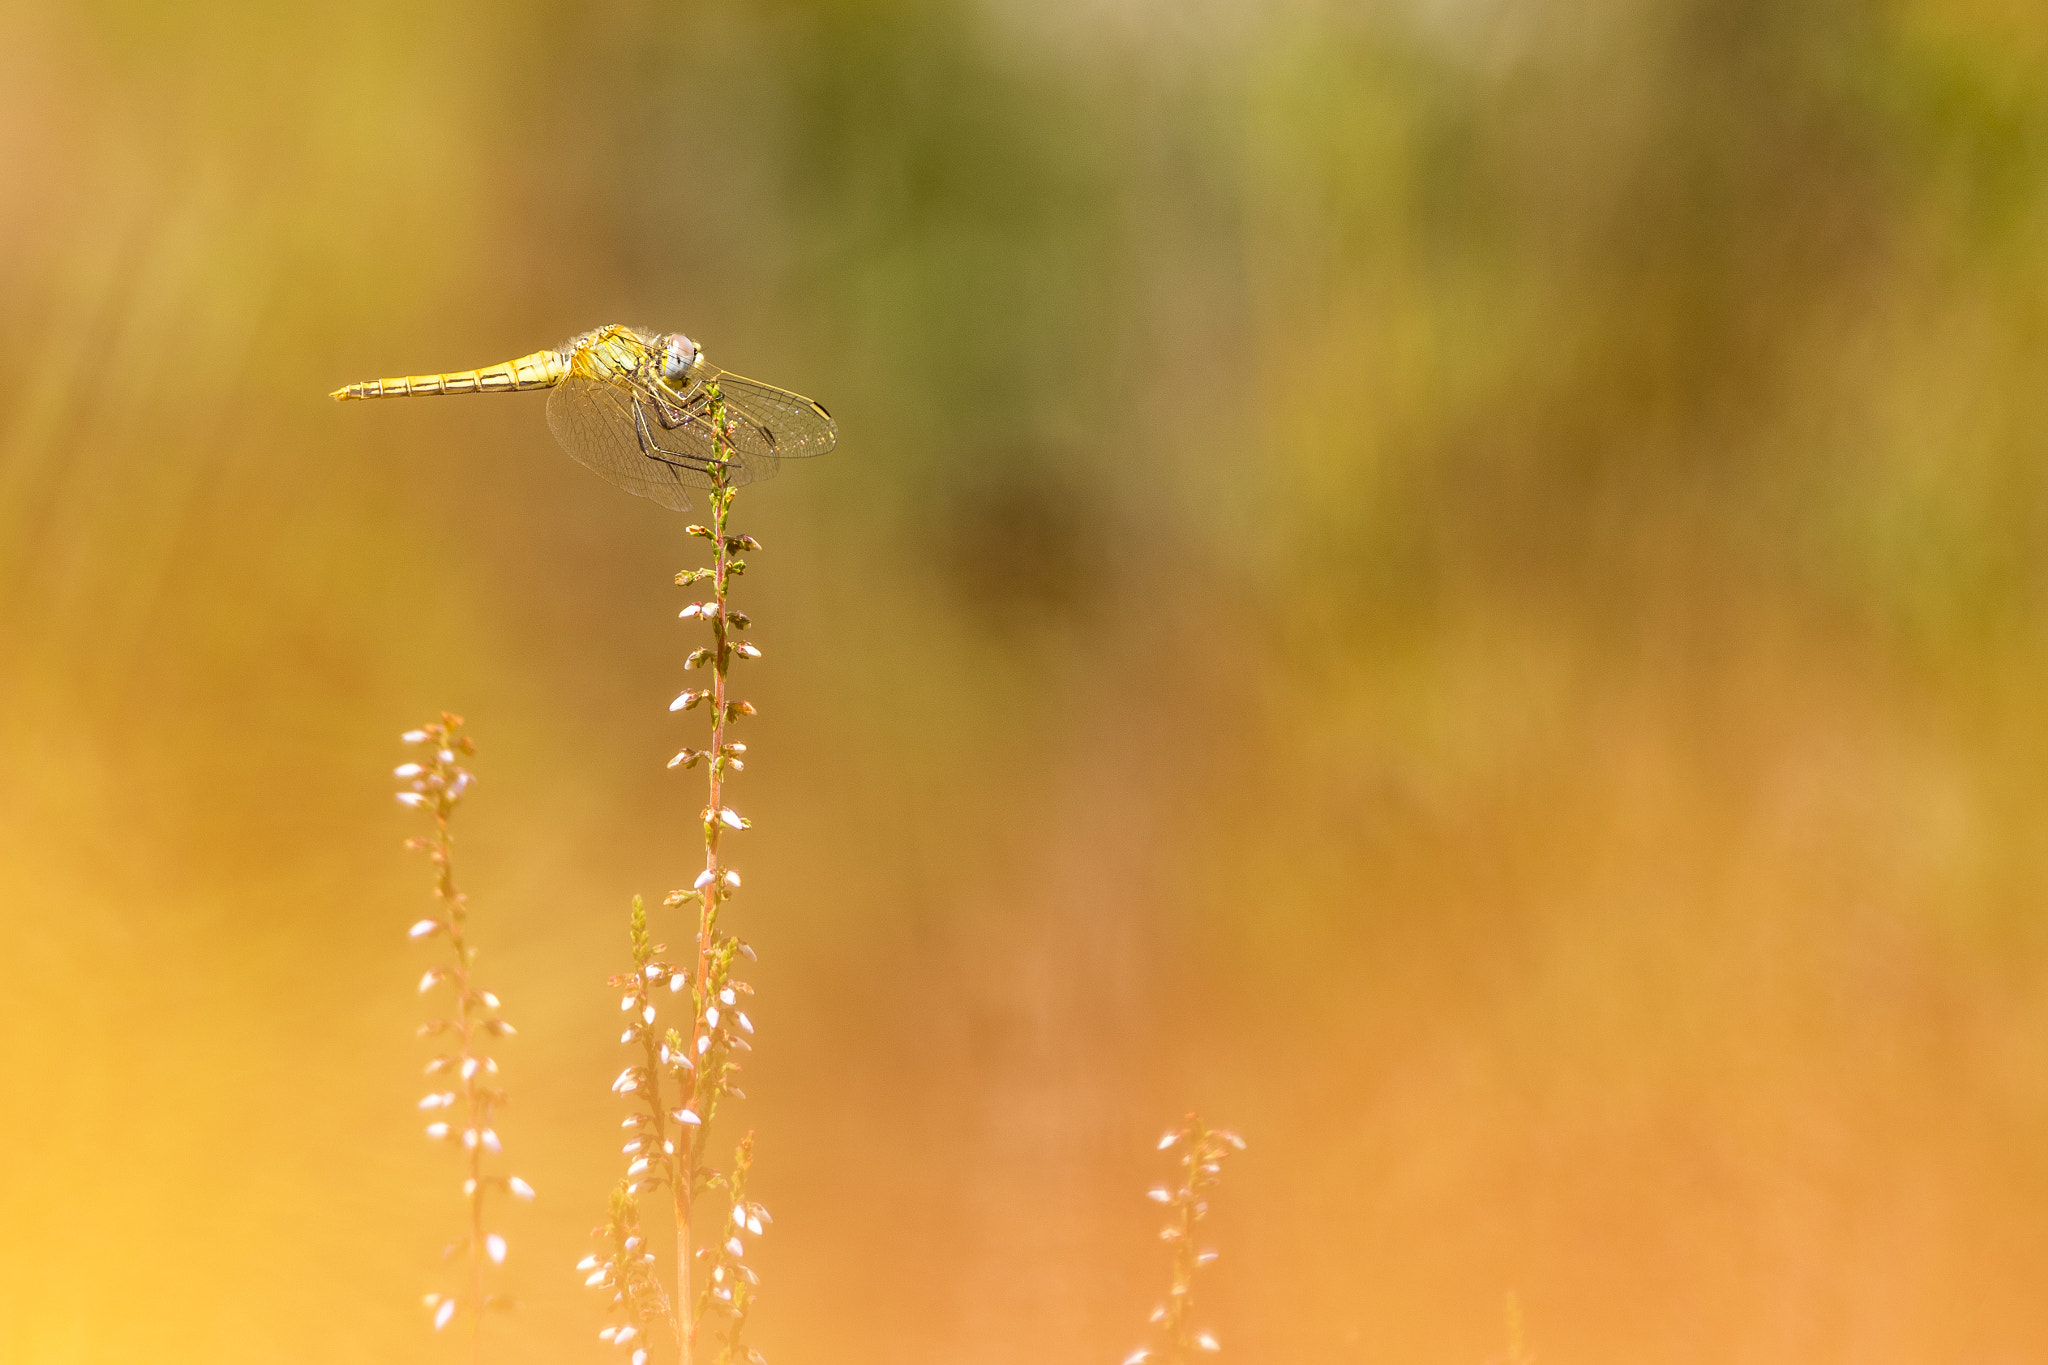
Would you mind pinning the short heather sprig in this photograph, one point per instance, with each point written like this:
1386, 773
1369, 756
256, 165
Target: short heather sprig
437, 786
1199, 1159
625, 1268
1517, 1352
652, 1131
730, 1283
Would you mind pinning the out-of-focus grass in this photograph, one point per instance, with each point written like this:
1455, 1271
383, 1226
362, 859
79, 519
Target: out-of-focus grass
1456, 584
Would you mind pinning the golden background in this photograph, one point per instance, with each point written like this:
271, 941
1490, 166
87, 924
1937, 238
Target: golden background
1456, 583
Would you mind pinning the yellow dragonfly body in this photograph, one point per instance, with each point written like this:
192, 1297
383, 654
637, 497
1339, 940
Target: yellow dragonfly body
646, 411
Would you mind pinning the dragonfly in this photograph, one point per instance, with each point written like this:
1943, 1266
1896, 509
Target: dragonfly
646, 411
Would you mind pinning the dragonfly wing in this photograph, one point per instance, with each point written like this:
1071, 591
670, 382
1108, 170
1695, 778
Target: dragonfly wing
610, 427
772, 424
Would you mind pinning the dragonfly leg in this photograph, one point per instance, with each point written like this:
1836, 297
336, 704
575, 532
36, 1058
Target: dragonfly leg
693, 408
680, 409
654, 450
685, 412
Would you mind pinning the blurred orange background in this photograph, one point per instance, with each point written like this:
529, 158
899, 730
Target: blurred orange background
1458, 585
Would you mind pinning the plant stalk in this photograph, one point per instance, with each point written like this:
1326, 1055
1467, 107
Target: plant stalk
707, 921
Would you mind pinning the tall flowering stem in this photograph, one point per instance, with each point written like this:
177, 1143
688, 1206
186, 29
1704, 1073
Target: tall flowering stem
718, 1025
436, 786
1199, 1150
681, 1077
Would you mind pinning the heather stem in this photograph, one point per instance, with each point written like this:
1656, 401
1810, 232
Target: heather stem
713, 886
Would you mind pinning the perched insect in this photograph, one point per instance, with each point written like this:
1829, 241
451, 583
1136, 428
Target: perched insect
646, 411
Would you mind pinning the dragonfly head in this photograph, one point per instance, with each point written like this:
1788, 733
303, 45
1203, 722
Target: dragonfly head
679, 355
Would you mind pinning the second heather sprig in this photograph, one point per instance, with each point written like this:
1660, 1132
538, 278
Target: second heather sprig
436, 787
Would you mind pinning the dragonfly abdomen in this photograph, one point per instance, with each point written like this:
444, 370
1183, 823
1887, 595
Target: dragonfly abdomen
541, 370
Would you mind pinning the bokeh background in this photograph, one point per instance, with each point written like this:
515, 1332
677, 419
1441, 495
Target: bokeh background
1459, 584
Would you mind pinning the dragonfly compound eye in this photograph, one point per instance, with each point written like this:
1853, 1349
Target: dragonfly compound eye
678, 354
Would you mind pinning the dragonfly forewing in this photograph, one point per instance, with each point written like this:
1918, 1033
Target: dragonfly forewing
772, 423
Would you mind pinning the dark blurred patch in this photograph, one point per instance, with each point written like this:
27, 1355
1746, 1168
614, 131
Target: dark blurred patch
1026, 548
